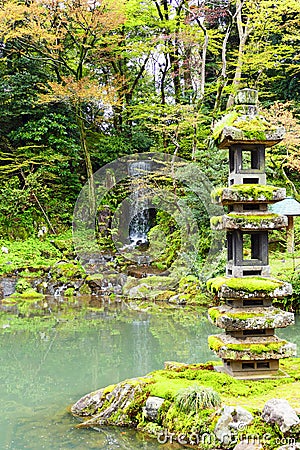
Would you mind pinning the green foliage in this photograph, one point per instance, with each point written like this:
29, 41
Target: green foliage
69, 292
34, 253
195, 398
22, 285
226, 121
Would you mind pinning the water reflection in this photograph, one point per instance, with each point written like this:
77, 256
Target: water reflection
52, 364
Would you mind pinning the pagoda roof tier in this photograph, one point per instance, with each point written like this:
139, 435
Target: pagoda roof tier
248, 221
245, 125
248, 193
233, 136
257, 318
250, 287
251, 348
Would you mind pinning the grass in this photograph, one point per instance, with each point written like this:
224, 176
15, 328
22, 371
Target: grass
166, 383
195, 398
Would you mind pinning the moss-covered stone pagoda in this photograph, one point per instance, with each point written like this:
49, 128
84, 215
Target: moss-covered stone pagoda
249, 348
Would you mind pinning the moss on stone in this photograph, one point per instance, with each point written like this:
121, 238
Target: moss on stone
95, 276
253, 192
215, 343
245, 284
69, 292
244, 218
252, 217
254, 125
214, 314
27, 294
85, 289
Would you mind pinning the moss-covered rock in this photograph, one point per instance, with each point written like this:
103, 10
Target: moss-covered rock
271, 347
245, 124
26, 303
248, 222
234, 319
243, 193
248, 287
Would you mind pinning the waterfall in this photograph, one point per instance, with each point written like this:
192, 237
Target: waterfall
139, 208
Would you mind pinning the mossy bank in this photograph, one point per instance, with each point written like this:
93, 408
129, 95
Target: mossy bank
187, 400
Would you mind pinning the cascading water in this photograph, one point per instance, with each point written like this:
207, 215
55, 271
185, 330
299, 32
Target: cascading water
139, 209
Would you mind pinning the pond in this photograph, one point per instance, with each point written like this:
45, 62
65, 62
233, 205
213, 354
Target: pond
53, 362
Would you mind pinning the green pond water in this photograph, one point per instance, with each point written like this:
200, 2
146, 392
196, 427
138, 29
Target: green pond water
53, 362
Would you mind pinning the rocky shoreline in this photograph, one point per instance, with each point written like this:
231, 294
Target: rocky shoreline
195, 405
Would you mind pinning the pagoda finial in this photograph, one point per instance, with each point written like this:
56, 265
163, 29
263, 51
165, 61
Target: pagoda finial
245, 124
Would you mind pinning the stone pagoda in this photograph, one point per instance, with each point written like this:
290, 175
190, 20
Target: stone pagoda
248, 347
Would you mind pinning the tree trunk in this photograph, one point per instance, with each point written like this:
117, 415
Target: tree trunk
88, 163
244, 31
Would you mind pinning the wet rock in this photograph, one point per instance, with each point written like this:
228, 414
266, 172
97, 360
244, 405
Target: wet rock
152, 407
232, 418
279, 411
109, 406
7, 286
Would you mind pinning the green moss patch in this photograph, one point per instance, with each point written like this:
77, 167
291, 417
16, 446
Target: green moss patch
214, 314
27, 294
216, 343
226, 121
32, 253
245, 284
253, 217
255, 192
247, 221
182, 386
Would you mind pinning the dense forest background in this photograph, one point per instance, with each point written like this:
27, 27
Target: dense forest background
84, 82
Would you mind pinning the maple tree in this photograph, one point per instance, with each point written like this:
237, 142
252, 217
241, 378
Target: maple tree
125, 76
64, 35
